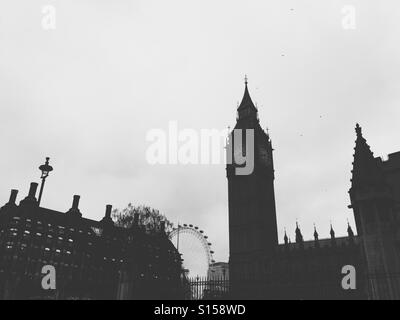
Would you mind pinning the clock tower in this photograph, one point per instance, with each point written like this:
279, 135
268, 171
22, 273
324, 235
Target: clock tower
253, 234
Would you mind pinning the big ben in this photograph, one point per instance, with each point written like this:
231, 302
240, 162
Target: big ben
252, 215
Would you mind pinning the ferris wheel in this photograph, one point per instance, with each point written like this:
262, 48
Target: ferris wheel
195, 248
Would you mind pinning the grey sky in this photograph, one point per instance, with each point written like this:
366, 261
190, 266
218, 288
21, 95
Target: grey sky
86, 93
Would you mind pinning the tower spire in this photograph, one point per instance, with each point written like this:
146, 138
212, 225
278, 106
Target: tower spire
365, 167
299, 236
358, 130
316, 236
332, 232
349, 230
247, 103
286, 239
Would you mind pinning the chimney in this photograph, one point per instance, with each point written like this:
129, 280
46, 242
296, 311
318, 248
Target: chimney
31, 198
11, 202
75, 202
13, 197
75, 206
108, 211
107, 218
32, 190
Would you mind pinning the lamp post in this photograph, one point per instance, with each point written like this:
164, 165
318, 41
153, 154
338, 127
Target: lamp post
46, 169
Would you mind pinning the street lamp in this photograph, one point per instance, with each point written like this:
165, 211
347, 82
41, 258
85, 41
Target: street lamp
46, 169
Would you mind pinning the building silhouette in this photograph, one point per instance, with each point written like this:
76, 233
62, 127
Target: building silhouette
218, 271
92, 259
261, 268
98, 260
252, 214
375, 200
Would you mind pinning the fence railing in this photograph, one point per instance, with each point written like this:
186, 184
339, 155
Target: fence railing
369, 286
208, 289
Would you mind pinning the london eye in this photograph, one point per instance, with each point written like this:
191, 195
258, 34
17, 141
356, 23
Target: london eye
195, 248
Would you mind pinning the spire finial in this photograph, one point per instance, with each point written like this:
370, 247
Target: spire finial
315, 233
299, 236
246, 79
349, 229
358, 130
332, 232
286, 238
247, 103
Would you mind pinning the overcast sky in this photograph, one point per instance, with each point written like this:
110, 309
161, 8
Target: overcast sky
87, 92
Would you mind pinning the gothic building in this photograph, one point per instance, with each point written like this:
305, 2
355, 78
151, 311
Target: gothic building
262, 268
375, 200
92, 259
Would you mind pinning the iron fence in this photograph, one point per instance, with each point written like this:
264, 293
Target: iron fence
207, 289
369, 287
